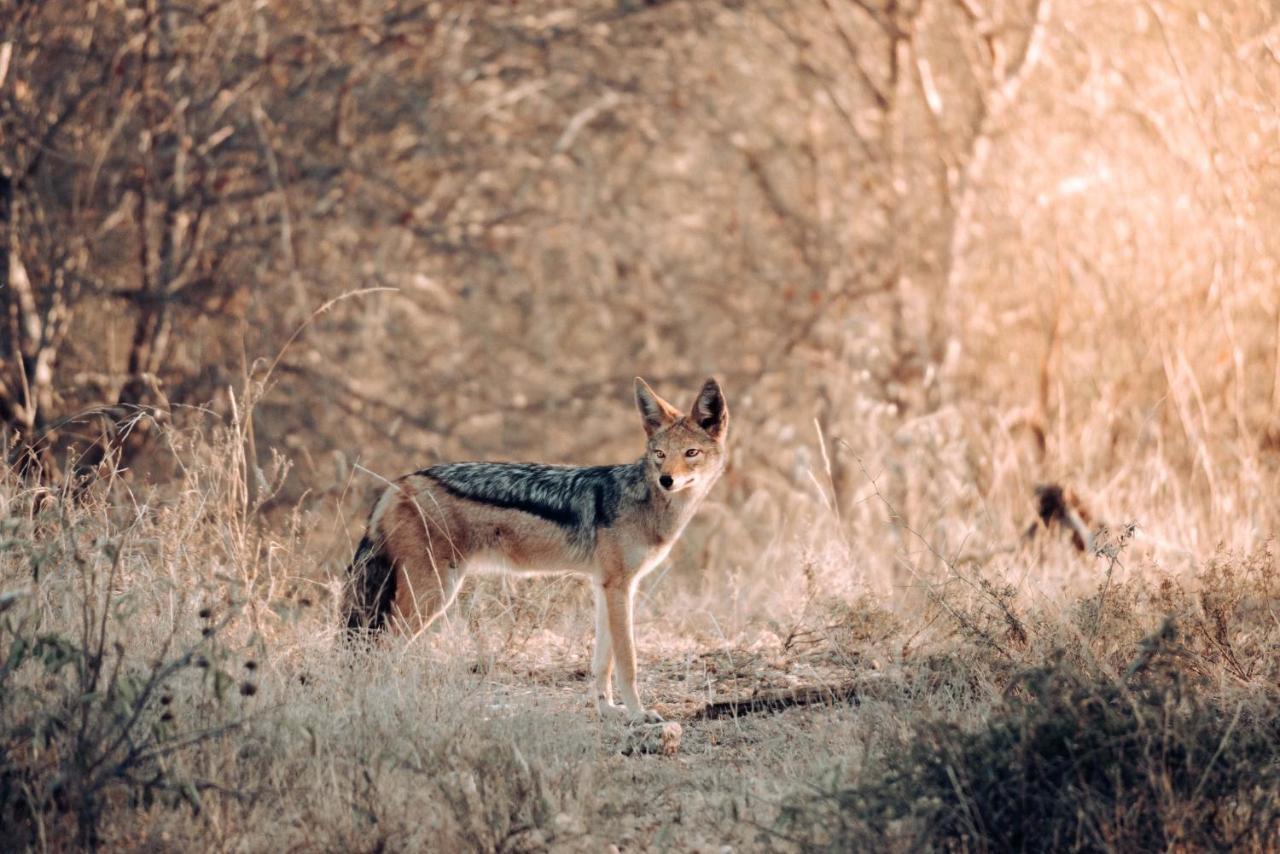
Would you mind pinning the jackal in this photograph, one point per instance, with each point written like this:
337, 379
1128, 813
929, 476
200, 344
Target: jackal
612, 524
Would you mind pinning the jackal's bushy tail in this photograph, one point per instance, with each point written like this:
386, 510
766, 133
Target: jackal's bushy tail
371, 588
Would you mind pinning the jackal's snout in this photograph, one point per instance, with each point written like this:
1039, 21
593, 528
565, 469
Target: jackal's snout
676, 480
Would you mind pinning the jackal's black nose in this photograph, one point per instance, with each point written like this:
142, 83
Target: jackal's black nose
666, 481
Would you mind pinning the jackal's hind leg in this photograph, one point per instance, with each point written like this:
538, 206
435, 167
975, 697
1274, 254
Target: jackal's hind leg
425, 588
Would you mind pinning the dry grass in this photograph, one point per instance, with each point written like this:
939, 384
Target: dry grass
172, 678
937, 254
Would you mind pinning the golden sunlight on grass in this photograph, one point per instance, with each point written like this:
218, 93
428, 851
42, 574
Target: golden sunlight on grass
991, 290
177, 663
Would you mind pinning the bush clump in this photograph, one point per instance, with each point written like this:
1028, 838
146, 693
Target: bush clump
1073, 760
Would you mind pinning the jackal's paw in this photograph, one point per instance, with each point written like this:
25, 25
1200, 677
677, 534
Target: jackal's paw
609, 711
646, 716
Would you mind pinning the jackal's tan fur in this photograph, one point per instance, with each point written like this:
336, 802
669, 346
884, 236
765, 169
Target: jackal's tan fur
612, 524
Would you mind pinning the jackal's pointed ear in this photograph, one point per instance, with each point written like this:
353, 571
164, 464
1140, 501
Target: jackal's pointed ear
710, 412
655, 411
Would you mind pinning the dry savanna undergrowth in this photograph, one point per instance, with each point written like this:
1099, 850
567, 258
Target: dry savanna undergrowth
171, 677
958, 264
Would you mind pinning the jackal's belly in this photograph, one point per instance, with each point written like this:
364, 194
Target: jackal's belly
491, 561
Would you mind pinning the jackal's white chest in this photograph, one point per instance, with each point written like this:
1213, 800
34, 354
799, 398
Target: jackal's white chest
649, 559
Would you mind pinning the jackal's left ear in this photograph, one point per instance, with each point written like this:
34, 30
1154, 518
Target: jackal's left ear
655, 411
710, 412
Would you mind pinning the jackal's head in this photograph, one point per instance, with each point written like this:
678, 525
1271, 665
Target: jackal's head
684, 451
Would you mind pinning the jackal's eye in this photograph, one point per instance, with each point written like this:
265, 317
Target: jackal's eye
662, 455
692, 452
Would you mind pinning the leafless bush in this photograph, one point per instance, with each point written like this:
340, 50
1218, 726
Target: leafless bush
92, 718
1073, 759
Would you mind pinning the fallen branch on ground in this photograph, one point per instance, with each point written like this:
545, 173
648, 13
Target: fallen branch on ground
768, 702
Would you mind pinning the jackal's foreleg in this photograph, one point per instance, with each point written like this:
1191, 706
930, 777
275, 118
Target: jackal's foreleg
618, 603
602, 657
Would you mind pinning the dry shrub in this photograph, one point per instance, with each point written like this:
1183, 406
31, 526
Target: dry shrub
96, 717
1074, 758
1234, 627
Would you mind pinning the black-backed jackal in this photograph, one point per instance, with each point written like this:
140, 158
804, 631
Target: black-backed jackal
612, 524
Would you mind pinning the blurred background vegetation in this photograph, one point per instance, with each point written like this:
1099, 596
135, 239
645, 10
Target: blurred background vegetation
256, 256
938, 249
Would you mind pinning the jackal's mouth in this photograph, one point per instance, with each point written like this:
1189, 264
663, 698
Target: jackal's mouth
670, 484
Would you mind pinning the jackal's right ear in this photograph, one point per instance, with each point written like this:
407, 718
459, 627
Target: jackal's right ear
655, 411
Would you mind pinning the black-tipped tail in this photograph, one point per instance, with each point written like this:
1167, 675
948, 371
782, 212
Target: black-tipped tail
372, 589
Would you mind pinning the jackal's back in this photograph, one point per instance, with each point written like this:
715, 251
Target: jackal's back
580, 500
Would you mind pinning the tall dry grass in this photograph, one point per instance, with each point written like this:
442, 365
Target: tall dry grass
994, 274
172, 678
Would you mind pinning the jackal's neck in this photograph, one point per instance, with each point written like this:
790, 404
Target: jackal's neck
669, 512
